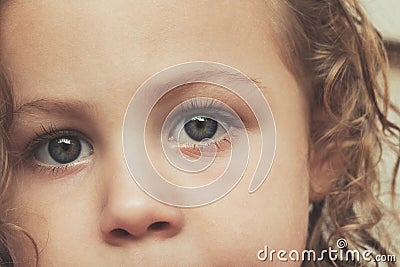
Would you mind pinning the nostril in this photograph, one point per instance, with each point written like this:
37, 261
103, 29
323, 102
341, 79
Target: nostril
158, 226
119, 232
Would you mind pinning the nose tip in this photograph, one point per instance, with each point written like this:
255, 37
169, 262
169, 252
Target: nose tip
128, 213
138, 217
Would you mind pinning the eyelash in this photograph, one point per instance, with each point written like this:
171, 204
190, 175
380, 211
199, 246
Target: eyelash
46, 134
194, 107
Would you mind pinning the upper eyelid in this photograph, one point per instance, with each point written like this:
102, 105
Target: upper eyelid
46, 137
235, 110
190, 110
189, 113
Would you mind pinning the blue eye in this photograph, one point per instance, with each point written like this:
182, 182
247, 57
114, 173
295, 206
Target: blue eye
199, 119
62, 150
200, 127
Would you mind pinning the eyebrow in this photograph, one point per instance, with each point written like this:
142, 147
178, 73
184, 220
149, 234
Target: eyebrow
202, 77
59, 106
76, 107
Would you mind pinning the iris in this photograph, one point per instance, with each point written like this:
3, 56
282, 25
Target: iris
200, 127
65, 149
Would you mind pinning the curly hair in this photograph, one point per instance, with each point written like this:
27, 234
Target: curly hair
8, 229
344, 60
346, 63
5, 172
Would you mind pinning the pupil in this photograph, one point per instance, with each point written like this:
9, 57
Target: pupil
65, 146
65, 149
200, 124
200, 128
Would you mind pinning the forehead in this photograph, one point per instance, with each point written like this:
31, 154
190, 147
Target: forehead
90, 44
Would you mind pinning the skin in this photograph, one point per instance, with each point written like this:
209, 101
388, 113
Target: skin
93, 55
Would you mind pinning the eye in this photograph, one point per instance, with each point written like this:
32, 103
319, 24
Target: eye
200, 119
62, 150
200, 127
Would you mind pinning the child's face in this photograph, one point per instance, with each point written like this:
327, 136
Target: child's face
90, 57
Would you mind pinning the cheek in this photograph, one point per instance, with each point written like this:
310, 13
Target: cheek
239, 225
276, 215
51, 212
288, 203
44, 204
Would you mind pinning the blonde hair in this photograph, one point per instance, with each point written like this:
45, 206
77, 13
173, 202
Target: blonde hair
345, 61
5, 171
8, 229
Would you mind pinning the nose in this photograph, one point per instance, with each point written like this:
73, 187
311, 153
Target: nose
130, 214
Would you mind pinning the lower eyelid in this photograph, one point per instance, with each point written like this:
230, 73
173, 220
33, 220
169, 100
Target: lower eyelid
192, 150
61, 170
76, 162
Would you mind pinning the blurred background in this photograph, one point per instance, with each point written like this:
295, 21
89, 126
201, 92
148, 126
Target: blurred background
385, 15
